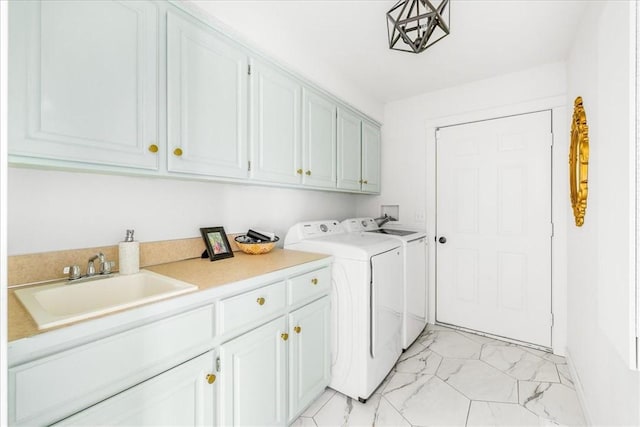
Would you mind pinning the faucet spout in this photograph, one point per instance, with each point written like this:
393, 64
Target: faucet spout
105, 267
384, 219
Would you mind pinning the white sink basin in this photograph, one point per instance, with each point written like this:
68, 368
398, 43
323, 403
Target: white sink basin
66, 302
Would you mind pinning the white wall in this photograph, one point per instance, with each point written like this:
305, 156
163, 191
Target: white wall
53, 210
600, 254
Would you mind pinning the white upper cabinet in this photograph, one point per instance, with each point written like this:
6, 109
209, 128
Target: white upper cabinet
318, 140
359, 146
349, 150
83, 89
206, 100
275, 125
88, 90
370, 158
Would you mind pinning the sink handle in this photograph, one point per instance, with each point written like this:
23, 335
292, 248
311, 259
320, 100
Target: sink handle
73, 271
106, 266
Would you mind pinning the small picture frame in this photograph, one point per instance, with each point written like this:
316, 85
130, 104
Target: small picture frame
217, 243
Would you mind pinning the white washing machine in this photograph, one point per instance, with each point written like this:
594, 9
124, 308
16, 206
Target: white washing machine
366, 309
415, 291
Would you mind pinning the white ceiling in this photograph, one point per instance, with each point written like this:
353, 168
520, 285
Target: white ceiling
349, 39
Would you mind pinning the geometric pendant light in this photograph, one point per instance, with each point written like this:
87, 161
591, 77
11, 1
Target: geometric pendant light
414, 25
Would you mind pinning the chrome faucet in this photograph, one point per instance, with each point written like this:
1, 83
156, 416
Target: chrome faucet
104, 269
384, 219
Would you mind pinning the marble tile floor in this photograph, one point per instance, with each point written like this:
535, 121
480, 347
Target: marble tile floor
453, 378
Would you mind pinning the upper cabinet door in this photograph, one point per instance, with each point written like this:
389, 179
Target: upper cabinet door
318, 140
275, 117
206, 100
370, 158
349, 154
84, 81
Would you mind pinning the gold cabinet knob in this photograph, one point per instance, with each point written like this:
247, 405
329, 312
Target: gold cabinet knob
299, 171
153, 148
260, 301
360, 181
365, 182
297, 329
211, 378
308, 173
314, 281
178, 152
284, 336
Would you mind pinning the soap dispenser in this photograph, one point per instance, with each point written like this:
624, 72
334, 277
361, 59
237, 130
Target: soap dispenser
129, 254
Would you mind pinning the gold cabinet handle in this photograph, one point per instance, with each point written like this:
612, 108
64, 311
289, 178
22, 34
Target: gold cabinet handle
308, 173
178, 152
297, 329
299, 171
314, 281
284, 336
260, 301
153, 148
211, 378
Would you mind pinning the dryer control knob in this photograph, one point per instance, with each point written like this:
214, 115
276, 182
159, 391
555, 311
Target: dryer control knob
324, 228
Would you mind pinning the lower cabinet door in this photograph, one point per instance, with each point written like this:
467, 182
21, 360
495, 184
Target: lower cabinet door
184, 395
252, 377
309, 355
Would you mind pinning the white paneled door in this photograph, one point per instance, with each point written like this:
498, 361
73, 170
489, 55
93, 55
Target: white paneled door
494, 227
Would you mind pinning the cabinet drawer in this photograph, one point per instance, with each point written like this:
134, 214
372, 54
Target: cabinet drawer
249, 307
309, 285
51, 388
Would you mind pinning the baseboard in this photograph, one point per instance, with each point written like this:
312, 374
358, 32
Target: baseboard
577, 383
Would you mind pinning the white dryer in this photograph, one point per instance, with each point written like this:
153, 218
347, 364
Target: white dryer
366, 309
414, 290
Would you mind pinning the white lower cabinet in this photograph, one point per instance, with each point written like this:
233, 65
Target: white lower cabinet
268, 360
184, 395
309, 354
252, 375
253, 368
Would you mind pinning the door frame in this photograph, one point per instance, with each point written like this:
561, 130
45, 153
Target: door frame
560, 119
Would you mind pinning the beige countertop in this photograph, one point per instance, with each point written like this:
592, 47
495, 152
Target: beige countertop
201, 272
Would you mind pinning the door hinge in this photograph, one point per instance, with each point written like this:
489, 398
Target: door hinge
249, 69
552, 230
217, 364
552, 320
249, 166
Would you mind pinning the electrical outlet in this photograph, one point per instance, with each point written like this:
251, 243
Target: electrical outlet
420, 215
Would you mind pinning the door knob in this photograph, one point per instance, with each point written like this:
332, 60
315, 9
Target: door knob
442, 239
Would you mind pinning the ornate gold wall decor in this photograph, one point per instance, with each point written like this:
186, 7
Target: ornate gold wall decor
579, 161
